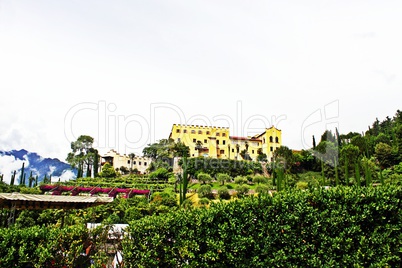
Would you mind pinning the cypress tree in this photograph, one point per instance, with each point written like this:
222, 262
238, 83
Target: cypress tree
357, 173
367, 173
336, 172
338, 138
346, 169
184, 182
13, 178
96, 164
314, 144
22, 180
322, 172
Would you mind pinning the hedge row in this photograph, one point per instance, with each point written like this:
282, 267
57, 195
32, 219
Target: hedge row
43, 247
339, 227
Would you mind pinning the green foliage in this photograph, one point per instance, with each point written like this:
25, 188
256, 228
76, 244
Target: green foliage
108, 171
303, 185
259, 179
339, 227
205, 191
223, 193
222, 178
42, 246
204, 201
242, 190
204, 177
160, 173
213, 166
263, 189
384, 154
240, 180
83, 155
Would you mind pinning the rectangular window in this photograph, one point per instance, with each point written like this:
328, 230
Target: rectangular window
194, 140
272, 149
177, 130
134, 163
223, 134
139, 163
199, 132
128, 162
145, 163
232, 150
208, 132
178, 139
205, 141
185, 131
223, 142
193, 131
218, 134
222, 151
217, 142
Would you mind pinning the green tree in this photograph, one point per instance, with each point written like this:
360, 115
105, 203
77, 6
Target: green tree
83, 155
384, 155
204, 178
222, 178
259, 179
284, 156
108, 171
348, 155
205, 191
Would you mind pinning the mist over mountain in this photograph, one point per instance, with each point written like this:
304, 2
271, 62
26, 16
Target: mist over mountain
11, 161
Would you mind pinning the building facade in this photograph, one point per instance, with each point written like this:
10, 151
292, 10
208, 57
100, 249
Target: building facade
117, 161
216, 142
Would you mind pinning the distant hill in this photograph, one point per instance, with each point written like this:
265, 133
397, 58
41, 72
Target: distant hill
11, 161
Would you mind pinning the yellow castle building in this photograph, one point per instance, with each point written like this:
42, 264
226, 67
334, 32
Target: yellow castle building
216, 142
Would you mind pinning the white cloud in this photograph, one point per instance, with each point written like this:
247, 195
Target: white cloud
65, 176
278, 58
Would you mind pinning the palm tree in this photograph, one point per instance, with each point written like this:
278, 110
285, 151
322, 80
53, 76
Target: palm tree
132, 155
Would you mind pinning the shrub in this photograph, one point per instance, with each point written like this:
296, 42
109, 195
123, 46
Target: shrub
205, 191
302, 185
259, 179
242, 190
160, 173
222, 178
203, 201
262, 189
223, 193
204, 177
341, 226
240, 180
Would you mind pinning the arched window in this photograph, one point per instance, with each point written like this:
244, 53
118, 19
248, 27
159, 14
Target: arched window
276, 139
271, 139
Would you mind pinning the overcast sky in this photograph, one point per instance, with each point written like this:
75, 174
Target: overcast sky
124, 71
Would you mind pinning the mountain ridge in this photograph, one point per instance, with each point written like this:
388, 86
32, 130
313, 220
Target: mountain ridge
39, 166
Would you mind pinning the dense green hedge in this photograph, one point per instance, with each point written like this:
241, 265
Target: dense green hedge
339, 227
43, 246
